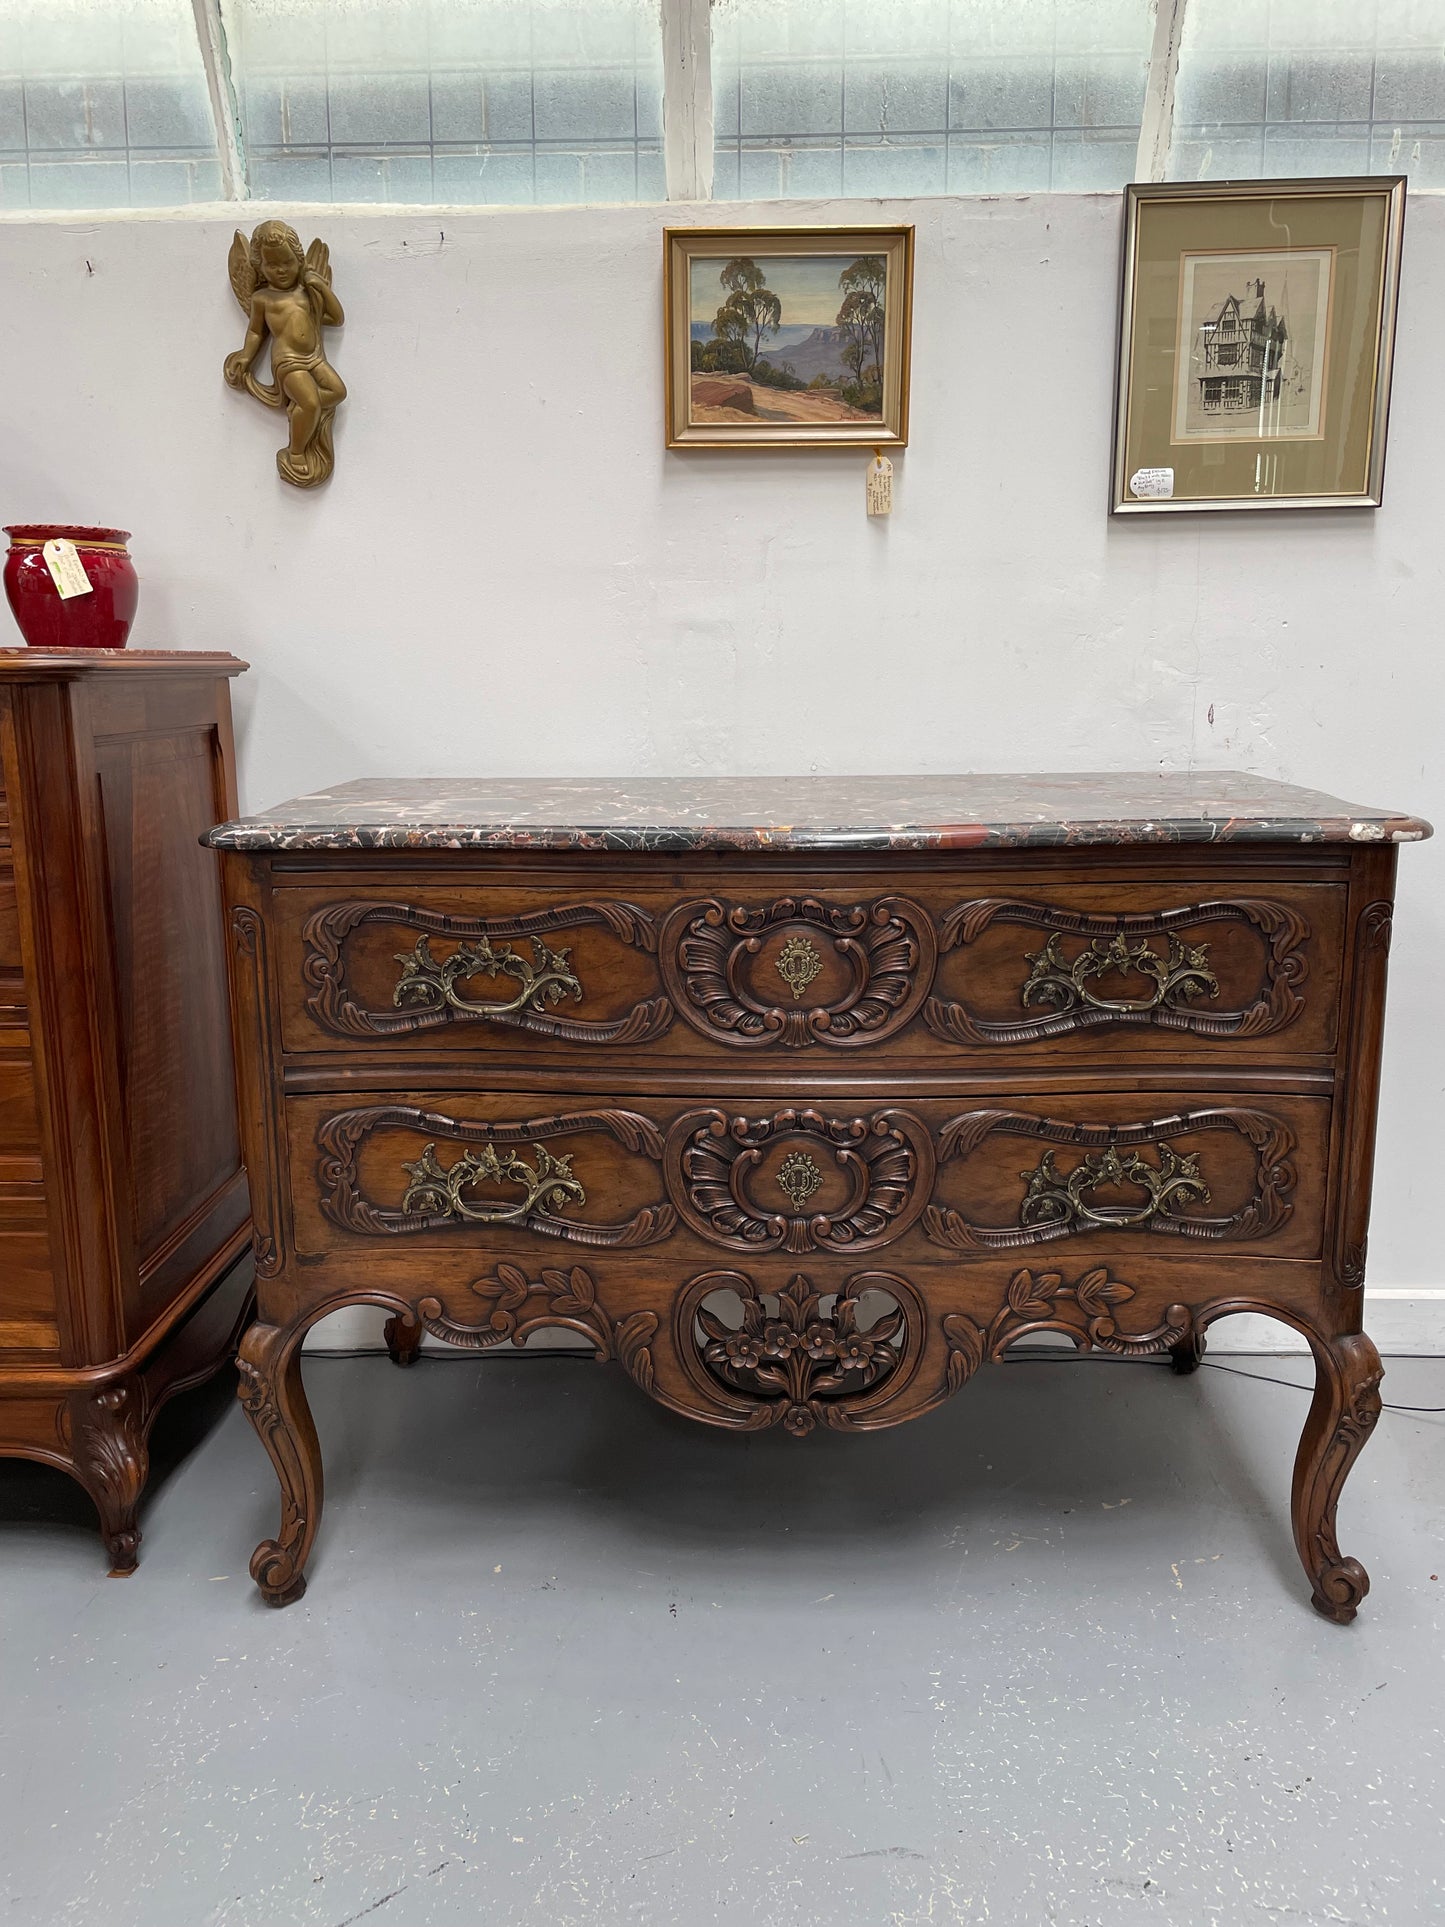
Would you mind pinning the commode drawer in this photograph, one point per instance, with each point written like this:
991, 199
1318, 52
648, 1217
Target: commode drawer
719, 967
837, 1177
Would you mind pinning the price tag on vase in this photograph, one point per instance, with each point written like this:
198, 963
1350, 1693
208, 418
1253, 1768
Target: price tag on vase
67, 571
880, 485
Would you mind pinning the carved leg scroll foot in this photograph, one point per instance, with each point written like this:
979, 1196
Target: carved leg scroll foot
1185, 1357
270, 1390
108, 1436
403, 1339
1342, 1416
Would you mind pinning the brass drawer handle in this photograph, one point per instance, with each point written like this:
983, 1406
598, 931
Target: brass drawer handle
441, 1191
431, 984
1178, 978
1057, 1198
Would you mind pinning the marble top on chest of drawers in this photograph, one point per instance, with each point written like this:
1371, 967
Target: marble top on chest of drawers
812, 813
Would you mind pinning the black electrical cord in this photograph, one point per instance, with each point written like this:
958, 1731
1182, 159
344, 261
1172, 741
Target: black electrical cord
1062, 1357
1385, 1404
1053, 1356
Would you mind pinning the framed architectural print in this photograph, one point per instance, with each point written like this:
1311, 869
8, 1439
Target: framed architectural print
1256, 331
787, 337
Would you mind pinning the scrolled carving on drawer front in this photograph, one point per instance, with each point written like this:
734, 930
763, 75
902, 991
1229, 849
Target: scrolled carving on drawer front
1179, 973
1041, 1301
1063, 1204
439, 1197
515, 1306
879, 1169
886, 949
426, 994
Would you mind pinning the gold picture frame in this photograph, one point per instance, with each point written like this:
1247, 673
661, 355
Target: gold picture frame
1256, 336
834, 305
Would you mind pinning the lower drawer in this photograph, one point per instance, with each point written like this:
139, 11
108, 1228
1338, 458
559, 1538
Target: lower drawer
9, 922
19, 1120
27, 1285
439, 1169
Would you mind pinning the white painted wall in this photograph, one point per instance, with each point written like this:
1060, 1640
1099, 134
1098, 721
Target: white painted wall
510, 573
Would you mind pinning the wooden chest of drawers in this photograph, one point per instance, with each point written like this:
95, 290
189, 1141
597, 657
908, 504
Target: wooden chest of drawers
803, 1100
123, 1203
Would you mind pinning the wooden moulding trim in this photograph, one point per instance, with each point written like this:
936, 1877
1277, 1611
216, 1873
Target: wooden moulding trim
30, 665
71, 1378
1353, 1149
380, 1073
1162, 865
188, 1227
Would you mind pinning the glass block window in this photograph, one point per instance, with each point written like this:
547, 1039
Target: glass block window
881, 97
1282, 87
450, 100
103, 105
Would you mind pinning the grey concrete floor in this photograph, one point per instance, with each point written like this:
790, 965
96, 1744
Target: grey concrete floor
1045, 1656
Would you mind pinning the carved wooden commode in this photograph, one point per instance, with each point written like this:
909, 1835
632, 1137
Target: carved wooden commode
803, 1099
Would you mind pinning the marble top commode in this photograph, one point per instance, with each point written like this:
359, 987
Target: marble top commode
813, 812
802, 1099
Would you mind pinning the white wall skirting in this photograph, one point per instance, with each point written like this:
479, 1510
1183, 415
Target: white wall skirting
1401, 1322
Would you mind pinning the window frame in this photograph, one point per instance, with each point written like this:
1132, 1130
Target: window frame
688, 146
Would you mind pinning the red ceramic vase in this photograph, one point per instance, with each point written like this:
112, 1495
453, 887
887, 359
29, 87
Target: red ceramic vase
100, 620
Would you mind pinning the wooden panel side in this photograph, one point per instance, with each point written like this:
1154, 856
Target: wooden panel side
161, 781
1352, 1165
63, 958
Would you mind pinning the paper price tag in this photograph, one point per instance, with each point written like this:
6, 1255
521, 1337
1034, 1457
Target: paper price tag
1152, 484
67, 571
880, 486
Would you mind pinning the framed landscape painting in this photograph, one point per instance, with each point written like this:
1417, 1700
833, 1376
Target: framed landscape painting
787, 337
1256, 332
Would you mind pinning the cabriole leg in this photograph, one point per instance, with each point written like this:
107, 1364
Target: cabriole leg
270, 1389
1186, 1355
112, 1462
403, 1339
1342, 1416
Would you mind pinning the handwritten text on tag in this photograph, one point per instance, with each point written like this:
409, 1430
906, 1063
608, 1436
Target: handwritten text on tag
880, 486
1152, 484
67, 571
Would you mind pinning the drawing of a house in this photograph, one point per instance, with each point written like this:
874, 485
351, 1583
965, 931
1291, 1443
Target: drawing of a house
1241, 353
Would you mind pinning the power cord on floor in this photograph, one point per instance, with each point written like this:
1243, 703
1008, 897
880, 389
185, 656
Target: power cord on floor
1061, 1357
1386, 1405
1053, 1356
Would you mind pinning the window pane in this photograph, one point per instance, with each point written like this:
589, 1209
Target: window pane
450, 100
103, 106
926, 96
1280, 87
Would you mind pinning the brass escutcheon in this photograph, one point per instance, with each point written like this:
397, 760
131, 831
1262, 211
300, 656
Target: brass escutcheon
799, 1177
798, 964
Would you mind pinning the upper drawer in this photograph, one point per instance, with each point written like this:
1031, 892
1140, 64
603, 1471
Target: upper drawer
921, 973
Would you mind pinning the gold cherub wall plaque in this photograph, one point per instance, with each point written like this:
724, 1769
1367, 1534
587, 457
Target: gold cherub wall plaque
286, 297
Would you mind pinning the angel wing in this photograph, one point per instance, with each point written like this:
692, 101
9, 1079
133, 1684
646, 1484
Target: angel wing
318, 260
242, 272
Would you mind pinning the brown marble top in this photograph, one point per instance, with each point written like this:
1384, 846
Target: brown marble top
811, 813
